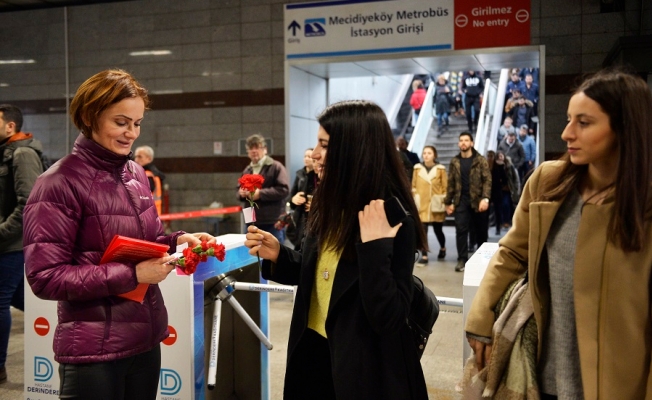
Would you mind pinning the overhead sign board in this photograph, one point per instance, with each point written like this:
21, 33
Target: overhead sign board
502, 23
343, 28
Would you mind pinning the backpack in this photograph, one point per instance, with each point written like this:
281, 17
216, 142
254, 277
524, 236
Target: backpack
45, 162
424, 311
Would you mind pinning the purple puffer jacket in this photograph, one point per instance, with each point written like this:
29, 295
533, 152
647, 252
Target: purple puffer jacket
73, 212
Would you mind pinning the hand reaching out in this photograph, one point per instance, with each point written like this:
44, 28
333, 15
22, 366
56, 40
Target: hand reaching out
263, 243
193, 239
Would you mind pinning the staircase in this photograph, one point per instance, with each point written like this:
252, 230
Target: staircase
446, 144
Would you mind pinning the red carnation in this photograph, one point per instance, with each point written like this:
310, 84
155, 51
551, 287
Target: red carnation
217, 250
192, 256
191, 259
251, 182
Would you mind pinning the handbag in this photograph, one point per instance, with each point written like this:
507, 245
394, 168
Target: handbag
437, 203
424, 311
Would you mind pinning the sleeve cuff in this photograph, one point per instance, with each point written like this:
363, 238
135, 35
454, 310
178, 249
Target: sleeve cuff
482, 339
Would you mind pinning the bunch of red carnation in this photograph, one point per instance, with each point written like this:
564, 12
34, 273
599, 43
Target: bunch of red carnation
200, 253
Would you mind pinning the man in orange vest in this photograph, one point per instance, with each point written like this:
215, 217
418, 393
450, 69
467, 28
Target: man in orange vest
144, 155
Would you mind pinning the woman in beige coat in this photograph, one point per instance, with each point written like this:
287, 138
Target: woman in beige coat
429, 180
582, 230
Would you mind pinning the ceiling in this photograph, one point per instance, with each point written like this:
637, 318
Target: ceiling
489, 60
22, 5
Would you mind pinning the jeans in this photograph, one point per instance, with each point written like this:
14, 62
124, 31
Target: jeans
442, 119
12, 271
131, 378
508, 208
472, 116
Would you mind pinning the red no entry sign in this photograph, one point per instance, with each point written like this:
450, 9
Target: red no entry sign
41, 326
169, 341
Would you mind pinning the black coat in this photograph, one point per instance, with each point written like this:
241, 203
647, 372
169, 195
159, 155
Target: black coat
372, 352
305, 182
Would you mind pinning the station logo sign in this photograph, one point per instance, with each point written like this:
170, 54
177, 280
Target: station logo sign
170, 382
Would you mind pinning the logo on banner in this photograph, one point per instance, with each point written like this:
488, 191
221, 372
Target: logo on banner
315, 27
170, 340
170, 382
461, 20
41, 326
43, 369
522, 15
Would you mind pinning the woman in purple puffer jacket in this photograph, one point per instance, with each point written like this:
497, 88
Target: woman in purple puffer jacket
108, 347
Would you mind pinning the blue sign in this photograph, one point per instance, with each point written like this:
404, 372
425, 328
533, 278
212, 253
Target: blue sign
170, 382
43, 369
315, 27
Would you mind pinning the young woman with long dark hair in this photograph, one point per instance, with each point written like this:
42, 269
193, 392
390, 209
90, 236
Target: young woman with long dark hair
582, 231
349, 338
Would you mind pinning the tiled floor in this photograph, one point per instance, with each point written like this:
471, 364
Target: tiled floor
442, 360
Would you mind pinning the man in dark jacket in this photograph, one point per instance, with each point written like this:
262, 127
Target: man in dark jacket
270, 199
402, 146
467, 195
512, 148
21, 165
522, 114
473, 88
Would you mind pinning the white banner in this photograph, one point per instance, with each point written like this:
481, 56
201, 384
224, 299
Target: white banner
355, 28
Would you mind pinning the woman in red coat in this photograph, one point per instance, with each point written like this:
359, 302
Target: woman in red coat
417, 99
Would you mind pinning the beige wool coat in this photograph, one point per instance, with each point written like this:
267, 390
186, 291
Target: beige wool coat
611, 291
424, 185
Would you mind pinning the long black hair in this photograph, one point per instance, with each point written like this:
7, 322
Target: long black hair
362, 164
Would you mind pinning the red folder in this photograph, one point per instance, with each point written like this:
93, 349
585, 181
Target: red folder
123, 249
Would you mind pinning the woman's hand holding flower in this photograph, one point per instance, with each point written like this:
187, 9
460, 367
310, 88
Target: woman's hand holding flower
374, 224
262, 243
155, 270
